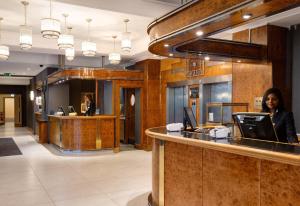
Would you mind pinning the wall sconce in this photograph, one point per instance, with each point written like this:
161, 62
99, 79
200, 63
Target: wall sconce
31, 95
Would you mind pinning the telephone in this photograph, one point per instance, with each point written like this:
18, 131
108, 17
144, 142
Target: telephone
219, 132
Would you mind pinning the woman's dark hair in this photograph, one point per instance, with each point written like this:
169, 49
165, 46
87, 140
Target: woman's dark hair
90, 97
278, 94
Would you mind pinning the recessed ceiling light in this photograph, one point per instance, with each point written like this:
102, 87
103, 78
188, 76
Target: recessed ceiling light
207, 58
171, 54
239, 61
199, 33
166, 45
247, 16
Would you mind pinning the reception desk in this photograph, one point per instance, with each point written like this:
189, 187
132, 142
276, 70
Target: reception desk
192, 169
82, 132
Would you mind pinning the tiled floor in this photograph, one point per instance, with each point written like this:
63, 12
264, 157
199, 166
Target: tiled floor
40, 177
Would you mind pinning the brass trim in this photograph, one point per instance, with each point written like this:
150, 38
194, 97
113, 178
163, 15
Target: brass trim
116, 149
161, 178
98, 135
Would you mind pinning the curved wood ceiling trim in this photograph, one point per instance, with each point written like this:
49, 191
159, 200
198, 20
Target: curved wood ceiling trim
232, 17
100, 74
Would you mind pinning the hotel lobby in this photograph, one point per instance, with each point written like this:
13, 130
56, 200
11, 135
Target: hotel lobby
149, 103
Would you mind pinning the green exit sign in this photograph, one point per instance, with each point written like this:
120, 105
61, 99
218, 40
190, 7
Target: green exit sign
7, 74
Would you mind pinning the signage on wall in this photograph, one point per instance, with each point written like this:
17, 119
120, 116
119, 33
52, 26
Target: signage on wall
195, 68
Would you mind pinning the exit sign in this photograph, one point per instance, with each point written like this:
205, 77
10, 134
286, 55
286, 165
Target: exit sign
7, 74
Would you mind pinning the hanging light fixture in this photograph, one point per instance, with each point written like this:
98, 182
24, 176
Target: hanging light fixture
126, 40
4, 50
50, 28
70, 52
25, 31
114, 57
88, 48
65, 40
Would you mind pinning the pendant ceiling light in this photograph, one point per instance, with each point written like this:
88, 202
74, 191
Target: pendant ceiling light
88, 48
50, 28
126, 40
70, 52
114, 57
65, 40
4, 50
25, 31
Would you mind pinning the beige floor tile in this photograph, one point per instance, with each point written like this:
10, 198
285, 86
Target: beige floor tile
28, 198
96, 200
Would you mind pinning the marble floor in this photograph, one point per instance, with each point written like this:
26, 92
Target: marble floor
44, 177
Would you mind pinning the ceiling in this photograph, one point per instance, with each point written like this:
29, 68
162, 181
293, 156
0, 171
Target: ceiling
107, 15
285, 19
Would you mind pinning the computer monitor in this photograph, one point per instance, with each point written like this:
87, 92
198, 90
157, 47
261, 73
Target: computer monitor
71, 109
256, 126
60, 109
190, 117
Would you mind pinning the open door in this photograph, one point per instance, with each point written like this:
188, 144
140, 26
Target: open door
129, 116
18, 111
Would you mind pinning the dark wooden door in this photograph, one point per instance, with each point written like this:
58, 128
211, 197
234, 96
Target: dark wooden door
129, 116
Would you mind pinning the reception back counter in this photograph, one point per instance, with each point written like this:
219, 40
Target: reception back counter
82, 132
194, 169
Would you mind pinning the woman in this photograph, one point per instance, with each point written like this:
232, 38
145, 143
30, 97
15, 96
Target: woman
90, 105
283, 121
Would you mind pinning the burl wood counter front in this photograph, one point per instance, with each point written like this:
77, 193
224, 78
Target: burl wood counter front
82, 132
193, 170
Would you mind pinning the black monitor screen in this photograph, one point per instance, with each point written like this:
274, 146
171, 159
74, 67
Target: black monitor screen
60, 109
71, 109
256, 126
190, 117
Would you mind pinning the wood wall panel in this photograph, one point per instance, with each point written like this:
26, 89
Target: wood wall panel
82, 133
106, 131
230, 180
249, 81
279, 184
253, 79
183, 175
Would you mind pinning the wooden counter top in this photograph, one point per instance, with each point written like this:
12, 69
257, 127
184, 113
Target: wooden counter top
84, 117
273, 151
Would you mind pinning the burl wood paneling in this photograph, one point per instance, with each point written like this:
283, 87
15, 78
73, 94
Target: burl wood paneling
183, 18
95, 73
78, 133
183, 175
230, 180
249, 81
43, 128
152, 101
155, 172
106, 131
279, 184
82, 133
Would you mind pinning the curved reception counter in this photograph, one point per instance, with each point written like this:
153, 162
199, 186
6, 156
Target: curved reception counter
192, 169
82, 132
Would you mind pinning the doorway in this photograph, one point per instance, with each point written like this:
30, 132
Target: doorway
11, 106
9, 109
130, 117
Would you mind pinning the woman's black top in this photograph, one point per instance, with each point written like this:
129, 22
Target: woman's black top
91, 109
285, 126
